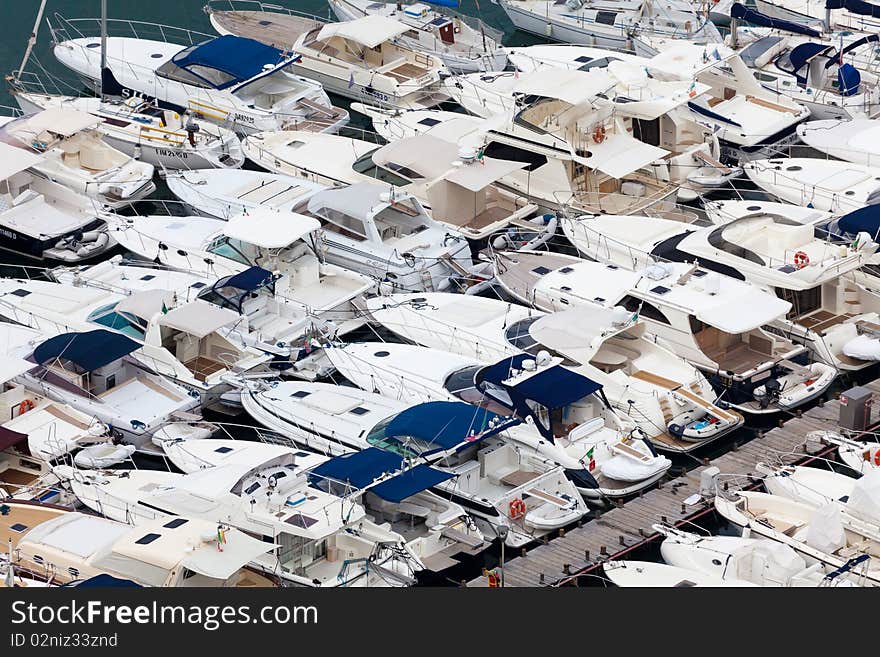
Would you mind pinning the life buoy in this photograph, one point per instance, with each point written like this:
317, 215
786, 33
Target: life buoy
599, 134
25, 406
493, 579
876, 459
517, 508
801, 259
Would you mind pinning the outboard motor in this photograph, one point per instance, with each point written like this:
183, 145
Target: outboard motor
772, 388
192, 129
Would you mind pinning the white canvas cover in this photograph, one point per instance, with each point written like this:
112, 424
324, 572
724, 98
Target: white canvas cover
572, 86
760, 560
863, 347
238, 551
368, 31
198, 318
864, 501
145, 304
61, 121
825, 531
78, 534
269, 228
621, 154
13, 160
11, 367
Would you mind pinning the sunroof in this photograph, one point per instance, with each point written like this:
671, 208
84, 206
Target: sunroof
566, 270
540, 271
147, 277
299, 520
147, 539
359, 410
301, 393
174, 524
223, 450
428, 121
198, 285
699, 273
583, 59
18, 527
20, 293
660, 289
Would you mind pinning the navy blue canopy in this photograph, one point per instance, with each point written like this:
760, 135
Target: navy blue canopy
89, 350
361, 469
410, 482
855, 6
250, 279
802, 54
103, 581
849, 79
754, 17
445, 3
244, 282
866, 219
445, 425
871, 38
238, 57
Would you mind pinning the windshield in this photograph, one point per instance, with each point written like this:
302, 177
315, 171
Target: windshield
230, 248
365, 165
125, 323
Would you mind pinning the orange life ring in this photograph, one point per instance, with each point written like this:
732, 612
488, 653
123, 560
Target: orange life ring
517, 508
599, 134
877, 458
25, 406
801, 259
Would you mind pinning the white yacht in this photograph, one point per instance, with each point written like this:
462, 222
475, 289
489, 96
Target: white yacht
62, 547
394, 495
820, 534
237, 82
74, 154
362, 59
43, 220
833, 311
825, 75
850, 15
498, 483
829, 185
192, 343
650, 574
367, 228
457, 186
669, 400
464, 44
716, 323
856, 140
313, 538
162, 138
94, 373
644, 26
572, 425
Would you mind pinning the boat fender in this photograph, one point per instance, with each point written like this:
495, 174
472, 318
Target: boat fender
501, 243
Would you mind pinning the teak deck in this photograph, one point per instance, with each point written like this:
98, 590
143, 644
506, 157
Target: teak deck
581, 550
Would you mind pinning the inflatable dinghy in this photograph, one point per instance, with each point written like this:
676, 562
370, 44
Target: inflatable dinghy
103, 455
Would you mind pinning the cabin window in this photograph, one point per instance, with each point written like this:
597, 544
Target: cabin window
230, 248
365, 166
214, 76
606, 17
507, 152
344, 224
645, 309
601, 62
171, 71
802, 301
647, 131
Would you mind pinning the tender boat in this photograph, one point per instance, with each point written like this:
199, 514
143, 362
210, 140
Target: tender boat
45, 220
367, 228
436, 530
648, 574
716, 323
620, 24
193, 343
818, 534
162, 138
312, 538
362, 59
464, 44
828, 185
237, 82
498, 483
833, 309
574, 426
824, 74
75, 155
759, 561
856, 141
64, 547
457, 186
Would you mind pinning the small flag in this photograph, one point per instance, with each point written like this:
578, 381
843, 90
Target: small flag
716, 54
351, 80
692, 90
592, 464
164, 308
221, 537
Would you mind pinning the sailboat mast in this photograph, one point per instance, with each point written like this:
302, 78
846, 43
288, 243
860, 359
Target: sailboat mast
103, 45
31, 42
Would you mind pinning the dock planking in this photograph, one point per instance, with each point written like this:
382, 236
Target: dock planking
580, 550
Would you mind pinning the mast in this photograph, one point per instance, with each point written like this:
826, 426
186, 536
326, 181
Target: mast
31, 41
103, 46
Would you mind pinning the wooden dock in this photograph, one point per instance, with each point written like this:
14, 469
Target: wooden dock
577, 552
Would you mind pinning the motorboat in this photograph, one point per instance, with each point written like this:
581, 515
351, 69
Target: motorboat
860, 456
94, 373
366, 227
723, 211
649, 574
498, 483
394, 495
237, 82
312, 538
759, 561
820, 534
716, 323
669, 400
363, 59
643, 26
464, 44
293, 290
457, 186
833, 310
44, 220
829, 185
849, 15
574, 426
162, 138
74, 154
63, 547
190, 343
856, 140
823, 74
